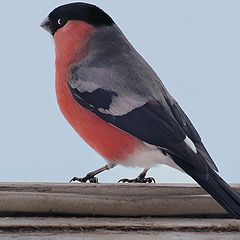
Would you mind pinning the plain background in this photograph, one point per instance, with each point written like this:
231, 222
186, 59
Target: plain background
194, 46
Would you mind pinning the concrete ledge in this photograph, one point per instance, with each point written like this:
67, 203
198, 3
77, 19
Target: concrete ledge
122, 200
41, 224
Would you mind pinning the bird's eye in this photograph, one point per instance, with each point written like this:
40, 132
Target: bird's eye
59, 21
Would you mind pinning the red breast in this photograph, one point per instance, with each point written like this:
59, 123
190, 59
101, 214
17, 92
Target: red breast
110, 142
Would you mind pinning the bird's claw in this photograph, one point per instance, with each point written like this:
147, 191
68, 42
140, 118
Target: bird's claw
84, 179
137, 180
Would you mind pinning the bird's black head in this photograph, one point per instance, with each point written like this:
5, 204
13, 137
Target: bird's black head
76, 11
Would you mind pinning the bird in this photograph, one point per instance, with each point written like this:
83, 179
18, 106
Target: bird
120, 107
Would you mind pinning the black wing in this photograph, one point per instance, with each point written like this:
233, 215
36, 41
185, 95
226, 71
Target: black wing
189, 129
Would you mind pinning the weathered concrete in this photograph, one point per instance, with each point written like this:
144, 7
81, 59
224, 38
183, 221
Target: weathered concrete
122, 236
55, 224
107, 199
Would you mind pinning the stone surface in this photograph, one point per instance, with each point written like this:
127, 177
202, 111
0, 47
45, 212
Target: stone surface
119, 224
122, 236
22, 228
122, 200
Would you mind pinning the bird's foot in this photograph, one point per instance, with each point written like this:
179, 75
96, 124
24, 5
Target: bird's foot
88, 178
138, 180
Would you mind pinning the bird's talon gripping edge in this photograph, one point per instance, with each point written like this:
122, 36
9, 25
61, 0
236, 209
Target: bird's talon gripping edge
137, 180
85, 179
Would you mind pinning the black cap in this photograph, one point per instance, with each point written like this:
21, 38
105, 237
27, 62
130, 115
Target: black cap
77, 11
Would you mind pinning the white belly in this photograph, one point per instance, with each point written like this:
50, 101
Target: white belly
149, 156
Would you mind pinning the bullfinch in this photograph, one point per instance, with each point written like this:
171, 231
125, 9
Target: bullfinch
118, 105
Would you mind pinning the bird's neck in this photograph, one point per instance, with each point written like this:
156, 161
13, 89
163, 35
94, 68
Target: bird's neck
71, 42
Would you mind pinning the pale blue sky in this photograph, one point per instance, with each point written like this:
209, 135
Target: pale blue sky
194, 46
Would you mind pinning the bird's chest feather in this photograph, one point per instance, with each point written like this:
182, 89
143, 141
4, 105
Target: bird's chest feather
110, 142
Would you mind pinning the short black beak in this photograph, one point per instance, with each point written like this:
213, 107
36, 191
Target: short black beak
46, 25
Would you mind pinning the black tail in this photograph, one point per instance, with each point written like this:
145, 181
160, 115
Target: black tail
209, 180
222, 192
219, 190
